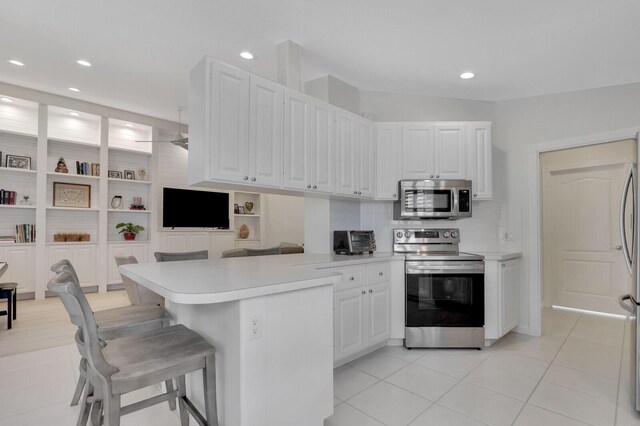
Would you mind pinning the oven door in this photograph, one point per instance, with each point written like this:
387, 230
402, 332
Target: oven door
445, 294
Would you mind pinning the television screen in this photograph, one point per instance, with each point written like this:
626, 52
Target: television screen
184, 208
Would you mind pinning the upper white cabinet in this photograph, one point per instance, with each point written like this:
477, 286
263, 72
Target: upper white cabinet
479, 159
388, 160
417, 151
434, 150
355, 157
450, 143
235, 126
309, 139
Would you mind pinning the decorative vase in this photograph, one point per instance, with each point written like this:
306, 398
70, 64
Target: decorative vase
129, 236
244, 232
248, 207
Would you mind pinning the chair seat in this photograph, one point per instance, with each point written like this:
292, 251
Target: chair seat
8, 286
144, 359
118, 322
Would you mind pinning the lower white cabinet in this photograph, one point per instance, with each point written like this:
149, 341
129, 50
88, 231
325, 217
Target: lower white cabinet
362, 304
81, 256
501, 313
21, 259
139, 250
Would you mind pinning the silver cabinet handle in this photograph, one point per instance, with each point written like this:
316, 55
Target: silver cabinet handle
246, 178
630, 308
355, 192
359, 193
437, 176
475, 195
352, 278
503, 265
315, 186
370, 290
618, 247
431, 176
253, 179
380, 273
623, 231
308, 186
395, 195
364, 292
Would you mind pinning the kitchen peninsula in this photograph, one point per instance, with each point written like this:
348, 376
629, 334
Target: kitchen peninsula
271, 321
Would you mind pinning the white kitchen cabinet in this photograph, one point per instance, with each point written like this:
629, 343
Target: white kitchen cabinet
450, 143
388, 160
139, 250
417, 151
81, 256
434, 150
362, 303
296, 139
21, 259
501, 313
321, 148
365, 159
355, 156
479, 169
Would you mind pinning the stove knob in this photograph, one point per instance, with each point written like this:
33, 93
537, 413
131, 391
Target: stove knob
407, 234
446, 234
399, 234
454, 234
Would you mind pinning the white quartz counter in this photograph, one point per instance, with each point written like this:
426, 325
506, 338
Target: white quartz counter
500, 256
223, 280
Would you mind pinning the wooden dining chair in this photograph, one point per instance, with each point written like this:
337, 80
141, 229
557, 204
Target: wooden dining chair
138, 360
114, 323
187, 255
137, 293
9, 291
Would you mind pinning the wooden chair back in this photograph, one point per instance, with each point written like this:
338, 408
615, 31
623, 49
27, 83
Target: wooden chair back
187, 255
138, 294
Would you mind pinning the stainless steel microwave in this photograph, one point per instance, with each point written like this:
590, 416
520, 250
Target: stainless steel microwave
433, 199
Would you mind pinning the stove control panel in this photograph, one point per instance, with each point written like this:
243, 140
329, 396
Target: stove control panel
426, 236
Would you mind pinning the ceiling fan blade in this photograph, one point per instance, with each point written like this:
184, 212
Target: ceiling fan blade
156, 141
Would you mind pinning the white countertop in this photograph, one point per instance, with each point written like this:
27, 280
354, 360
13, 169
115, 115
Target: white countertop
500, 256
223, 280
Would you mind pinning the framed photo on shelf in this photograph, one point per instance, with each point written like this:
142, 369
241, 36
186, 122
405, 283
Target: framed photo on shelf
18, 162
240, 209
71, 195
114, 174
130, 175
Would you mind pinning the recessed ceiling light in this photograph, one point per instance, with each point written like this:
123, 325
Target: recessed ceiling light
467, 75
129, 125
84, 63
73, 89
246, 55
3, 99
75, 114
16, 62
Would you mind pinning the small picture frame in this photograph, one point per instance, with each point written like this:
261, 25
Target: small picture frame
129, 175
115, 174
235, 208
71, 195
18, 162
240, 209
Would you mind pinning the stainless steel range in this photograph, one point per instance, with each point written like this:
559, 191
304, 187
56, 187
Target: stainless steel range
444, 290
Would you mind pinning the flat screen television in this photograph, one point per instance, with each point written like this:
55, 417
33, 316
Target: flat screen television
184, 208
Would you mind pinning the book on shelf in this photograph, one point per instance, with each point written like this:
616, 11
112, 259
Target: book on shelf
25, 233
7, 239
87, 169
8, 197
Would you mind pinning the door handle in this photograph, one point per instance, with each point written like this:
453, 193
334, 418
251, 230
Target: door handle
618, 247
623, 231
629, 308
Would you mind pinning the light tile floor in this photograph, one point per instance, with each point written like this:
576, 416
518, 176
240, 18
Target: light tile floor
577, 373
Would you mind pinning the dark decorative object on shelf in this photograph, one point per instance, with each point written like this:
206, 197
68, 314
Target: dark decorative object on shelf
62, 166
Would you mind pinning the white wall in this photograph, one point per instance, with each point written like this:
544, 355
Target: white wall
284, 219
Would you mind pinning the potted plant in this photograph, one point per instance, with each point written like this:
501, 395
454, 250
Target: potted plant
130, 230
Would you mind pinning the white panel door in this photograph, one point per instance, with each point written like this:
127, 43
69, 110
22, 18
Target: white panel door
346, 164
584, 267
321, 148
85, 264
366, 160
509, 278
388, 161
450, 142
378, 313
417, 151
349, 327
21, 270
479, 160
265, 132
229, 123
296, 140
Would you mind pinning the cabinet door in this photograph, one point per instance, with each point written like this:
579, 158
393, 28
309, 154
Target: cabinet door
417, 151
229, 123
348, 323
450, 150
365, 157
296, 140
21, 270
84, 263
388, 161
509, 277
265, 132
321, 148
479, 160
346, 165
378, 309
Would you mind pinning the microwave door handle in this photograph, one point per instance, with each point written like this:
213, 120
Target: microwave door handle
623, 230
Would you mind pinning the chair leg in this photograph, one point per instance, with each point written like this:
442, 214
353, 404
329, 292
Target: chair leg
182, 392
111, 404
85, 407
209, 379
15, 303
81, 382
96, 413
9, 312
169, 387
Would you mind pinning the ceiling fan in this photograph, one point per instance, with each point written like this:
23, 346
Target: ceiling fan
179, 140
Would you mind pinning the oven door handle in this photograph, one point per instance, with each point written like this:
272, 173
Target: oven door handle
445, 269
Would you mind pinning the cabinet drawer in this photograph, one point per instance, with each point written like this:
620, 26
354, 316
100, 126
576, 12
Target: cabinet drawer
378, 272
351, 278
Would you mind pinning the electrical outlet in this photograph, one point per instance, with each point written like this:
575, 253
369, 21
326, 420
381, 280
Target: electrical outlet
255, 327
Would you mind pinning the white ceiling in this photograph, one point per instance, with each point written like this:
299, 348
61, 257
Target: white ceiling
142, 50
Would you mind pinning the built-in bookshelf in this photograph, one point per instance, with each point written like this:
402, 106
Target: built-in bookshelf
251, 218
